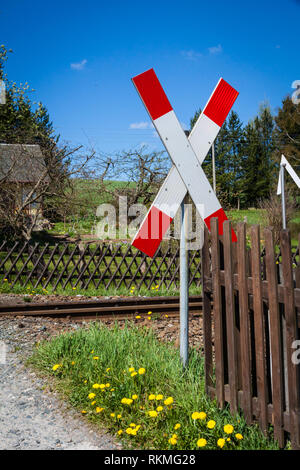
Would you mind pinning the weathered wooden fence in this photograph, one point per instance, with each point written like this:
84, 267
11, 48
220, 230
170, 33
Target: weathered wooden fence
253, 364
97, 265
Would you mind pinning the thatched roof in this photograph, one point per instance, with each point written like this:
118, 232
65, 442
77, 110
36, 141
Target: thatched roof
21, 163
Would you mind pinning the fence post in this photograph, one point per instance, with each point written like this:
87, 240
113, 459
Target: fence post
218, 311
206, 326
275, 337
230, 318
244, 321
291, 331
259, 328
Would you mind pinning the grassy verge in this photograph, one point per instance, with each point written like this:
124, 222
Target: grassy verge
128, 381
29, 291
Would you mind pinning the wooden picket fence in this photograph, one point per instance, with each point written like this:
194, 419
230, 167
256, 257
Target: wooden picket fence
102, 265
250, 331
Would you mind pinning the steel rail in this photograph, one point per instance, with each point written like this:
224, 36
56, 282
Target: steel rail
107, 308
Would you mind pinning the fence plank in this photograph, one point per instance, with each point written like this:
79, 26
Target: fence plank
218, 312
244, 321
291, 336
207, 324
230, 318
275, 336
259, 328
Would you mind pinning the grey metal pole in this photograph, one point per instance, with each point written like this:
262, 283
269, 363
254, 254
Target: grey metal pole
213, 166
283, 196
184, 287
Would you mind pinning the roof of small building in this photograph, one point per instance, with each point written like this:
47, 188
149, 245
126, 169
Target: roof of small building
22, 163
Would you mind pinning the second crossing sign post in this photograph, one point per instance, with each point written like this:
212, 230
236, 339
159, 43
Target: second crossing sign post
186, 175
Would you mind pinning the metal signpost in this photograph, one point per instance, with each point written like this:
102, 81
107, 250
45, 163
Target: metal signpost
284, 165
186, 175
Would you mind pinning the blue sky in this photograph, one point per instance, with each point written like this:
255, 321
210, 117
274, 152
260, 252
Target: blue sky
80, 58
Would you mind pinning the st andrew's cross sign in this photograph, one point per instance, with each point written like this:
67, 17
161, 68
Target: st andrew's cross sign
187, 155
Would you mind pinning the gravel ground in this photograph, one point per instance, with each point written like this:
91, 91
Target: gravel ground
31, 414
31, 417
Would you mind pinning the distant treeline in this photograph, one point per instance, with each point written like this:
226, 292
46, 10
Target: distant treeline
247, 156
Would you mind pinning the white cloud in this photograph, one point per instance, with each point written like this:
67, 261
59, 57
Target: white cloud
78, 65
215, 49
191, 55
141, 125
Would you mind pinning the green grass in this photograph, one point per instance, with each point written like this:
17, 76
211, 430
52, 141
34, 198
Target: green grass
7, 288
103, 356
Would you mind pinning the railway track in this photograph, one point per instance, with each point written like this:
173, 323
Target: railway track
120, 308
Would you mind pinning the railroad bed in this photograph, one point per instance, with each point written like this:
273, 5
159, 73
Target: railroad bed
108, 308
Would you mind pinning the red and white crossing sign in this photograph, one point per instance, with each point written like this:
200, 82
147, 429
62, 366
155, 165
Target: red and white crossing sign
187, 155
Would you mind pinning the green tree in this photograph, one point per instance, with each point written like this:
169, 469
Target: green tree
258, 171
287, 138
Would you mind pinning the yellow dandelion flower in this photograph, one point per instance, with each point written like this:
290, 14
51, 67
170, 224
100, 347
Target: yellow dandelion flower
96, 385
83, 412
133, 432
159, 397
151, 396
221, 442
128, 431
98, 409
172, 441
93, 402
134, 397
138, 316
159, 408
120, 432
201, 442
132, 425
55, 367
211, 424
73, 362
133, 374
119, 416
169, 401
177, 426
112, 415
239, 436
92, 395
96, 358
131, 369
228, 428
141, 370
149, 313
202, 415
152, 413
107, 385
